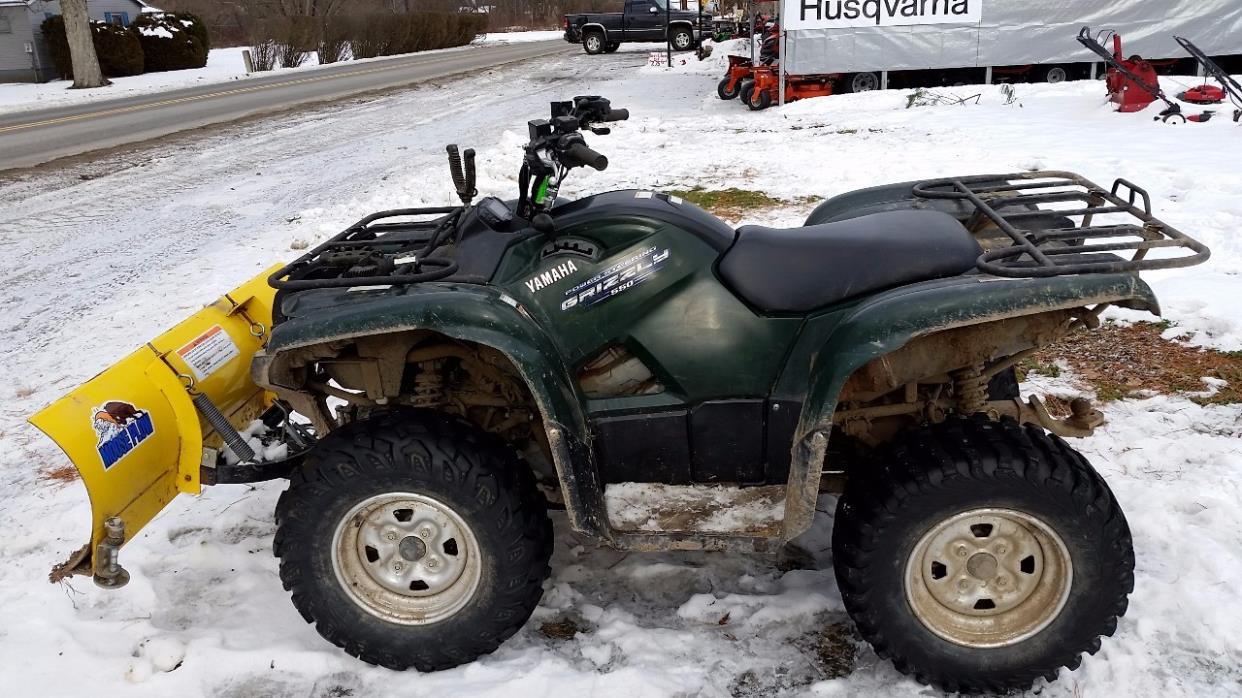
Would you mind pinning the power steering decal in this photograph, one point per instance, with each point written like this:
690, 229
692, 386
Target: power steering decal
616, 279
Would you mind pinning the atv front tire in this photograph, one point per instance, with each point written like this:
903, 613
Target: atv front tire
413, 539
981, 556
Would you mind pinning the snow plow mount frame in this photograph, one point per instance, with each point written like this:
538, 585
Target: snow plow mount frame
1079, 249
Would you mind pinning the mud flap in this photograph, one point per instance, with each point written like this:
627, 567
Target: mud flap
133, 432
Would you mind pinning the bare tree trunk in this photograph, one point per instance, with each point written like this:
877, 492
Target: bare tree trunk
86, 72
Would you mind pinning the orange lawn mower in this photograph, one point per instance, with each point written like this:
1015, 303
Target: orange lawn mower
766, 89
740, 75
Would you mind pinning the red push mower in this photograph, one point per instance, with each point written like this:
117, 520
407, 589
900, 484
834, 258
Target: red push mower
1211, 94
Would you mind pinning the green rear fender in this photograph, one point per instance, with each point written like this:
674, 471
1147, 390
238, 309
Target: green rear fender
844, 341
483, 315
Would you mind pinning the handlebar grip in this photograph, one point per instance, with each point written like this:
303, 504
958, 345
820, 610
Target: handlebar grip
617, 115
579, 154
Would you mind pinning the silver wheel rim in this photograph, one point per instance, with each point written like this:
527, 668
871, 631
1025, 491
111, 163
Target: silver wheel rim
1056, 75
864, 82
988, 577
681, 40
406, 558
594, 42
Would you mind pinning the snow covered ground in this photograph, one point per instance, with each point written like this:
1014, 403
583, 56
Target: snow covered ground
98, 257
223, 65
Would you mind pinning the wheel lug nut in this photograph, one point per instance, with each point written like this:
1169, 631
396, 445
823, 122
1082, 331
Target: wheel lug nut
961, 551
963, 585
1001, 550
397, 566
391, 536
433, 563
425, 532
1001, 581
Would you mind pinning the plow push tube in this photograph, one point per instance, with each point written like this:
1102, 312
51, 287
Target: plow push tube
138, 433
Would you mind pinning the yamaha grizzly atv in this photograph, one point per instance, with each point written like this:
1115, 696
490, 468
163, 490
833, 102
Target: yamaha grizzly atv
431, 381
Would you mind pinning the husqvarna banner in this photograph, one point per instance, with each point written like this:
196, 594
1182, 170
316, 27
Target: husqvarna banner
846, 36
833, 14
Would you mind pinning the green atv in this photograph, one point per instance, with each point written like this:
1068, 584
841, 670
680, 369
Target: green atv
443, 377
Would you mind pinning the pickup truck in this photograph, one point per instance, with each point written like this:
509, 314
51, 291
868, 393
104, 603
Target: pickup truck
639, 20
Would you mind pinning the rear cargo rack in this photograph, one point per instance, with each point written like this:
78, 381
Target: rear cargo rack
1079, 243
376, 251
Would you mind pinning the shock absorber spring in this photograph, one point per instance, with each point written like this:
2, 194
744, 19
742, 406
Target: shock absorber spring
970, 389
429, 383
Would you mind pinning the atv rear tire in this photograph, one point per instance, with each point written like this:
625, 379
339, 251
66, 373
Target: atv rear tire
612, 46
413, 539
723, 91
982, 555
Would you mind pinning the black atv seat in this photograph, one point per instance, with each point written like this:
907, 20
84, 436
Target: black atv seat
795, 270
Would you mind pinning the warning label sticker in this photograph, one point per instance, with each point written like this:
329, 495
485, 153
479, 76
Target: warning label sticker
207, 353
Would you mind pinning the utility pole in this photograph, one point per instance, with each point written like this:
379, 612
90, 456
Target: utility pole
668, 43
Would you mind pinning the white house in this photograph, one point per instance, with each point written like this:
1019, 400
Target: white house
24, 56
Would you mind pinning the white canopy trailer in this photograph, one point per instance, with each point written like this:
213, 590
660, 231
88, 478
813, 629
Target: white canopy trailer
878, 36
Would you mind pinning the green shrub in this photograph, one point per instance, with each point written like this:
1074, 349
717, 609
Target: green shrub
118, 49
385, 34
170, 42
195, 26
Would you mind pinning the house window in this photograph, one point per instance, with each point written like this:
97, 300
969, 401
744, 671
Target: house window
121, 19
6, 27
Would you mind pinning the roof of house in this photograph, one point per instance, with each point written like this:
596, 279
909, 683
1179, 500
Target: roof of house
146, 7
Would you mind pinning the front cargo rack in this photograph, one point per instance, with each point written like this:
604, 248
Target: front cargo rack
1076, 242
379, 250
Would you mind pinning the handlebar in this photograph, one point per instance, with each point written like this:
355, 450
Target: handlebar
579, 155
556, 146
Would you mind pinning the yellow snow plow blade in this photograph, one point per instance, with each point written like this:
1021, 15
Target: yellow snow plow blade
133, 431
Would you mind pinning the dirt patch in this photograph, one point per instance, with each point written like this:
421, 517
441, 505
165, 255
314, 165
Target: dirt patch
60, 473
732, 203
563, 629
1121, 361
833, 650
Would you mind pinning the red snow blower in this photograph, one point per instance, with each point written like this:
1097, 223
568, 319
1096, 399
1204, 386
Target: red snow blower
1229, 88
1132, 82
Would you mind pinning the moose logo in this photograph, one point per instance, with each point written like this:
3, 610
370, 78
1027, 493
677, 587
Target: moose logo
120, 427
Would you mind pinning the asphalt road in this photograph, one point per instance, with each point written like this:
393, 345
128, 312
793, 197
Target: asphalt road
34, 137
